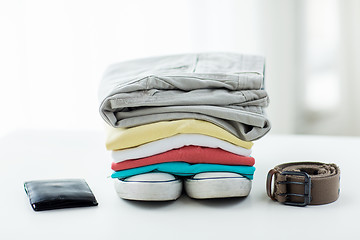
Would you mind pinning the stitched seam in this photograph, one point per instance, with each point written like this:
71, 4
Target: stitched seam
242, 93
196, 63
138, 80
158, 79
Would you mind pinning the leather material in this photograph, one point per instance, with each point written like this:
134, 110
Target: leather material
325, 182
56, 194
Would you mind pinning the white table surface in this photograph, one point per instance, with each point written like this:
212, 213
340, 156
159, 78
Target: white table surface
31, 155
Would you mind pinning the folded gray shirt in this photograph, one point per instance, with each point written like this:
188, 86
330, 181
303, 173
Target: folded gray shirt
223, 88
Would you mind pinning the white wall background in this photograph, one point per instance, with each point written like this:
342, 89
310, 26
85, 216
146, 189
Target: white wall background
53, 53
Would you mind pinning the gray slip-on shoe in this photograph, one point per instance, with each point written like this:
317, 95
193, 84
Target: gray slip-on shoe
149, 187
217, 185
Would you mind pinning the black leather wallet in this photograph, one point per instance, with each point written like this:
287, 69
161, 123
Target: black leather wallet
56, 194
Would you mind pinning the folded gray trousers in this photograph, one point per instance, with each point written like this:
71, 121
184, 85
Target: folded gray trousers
223, 88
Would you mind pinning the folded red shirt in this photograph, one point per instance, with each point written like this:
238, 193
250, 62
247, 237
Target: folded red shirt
189, 154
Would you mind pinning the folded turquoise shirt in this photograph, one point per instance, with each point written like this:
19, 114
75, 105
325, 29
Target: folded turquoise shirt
185, 169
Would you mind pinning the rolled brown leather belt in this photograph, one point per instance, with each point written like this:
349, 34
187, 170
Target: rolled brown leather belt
303, 183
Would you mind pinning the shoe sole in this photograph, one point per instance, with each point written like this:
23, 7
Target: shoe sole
148, 190
217, 187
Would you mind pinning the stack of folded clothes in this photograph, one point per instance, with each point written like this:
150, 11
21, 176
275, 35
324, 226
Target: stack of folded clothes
184, 118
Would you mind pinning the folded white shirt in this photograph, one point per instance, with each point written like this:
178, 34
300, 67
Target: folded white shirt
174, 142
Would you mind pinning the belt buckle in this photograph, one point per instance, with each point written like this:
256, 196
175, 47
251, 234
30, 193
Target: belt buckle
307, 188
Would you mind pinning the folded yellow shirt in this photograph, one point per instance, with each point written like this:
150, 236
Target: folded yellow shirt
121, 138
